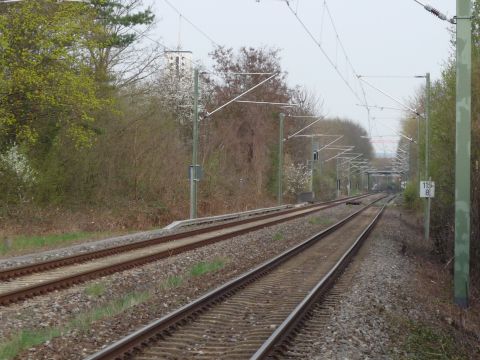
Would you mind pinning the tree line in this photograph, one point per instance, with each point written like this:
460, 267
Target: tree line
442, 154
92, 117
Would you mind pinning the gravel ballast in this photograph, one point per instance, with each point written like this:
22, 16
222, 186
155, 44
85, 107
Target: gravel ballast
93, 245
356, 327
238, 255
381, 309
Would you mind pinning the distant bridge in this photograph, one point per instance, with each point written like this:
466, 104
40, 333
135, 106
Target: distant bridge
385, 172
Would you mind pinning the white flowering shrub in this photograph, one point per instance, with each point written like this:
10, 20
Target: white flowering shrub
15, 162
297, 177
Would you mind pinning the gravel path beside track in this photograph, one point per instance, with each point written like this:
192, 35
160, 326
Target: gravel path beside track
360, 325
239, 254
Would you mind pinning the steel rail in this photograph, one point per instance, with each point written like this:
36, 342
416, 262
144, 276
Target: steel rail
61, 282
272, 344
14, 272
134, 342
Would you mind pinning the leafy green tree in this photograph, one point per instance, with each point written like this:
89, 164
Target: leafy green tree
116, 54
442, 153
47, 91
48, 96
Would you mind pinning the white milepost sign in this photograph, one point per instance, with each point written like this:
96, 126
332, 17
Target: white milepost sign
427, 189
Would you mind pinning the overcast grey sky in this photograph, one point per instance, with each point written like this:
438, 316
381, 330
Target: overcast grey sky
381, 37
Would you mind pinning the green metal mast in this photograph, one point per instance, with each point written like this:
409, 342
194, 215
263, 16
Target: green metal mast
312, 162
194, 167
349, 190
337, 185
462, 153
280, 160
427, 153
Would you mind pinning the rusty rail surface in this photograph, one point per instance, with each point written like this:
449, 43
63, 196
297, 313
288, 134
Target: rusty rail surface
13, 272
137, 341
274, 342
69, 280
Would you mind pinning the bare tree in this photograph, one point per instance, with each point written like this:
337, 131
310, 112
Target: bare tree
117, 49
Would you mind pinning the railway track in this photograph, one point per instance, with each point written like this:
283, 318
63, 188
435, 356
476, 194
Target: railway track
252, 315
35, 279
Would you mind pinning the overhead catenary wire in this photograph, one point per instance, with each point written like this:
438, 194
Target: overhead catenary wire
393, 76
400, 133
305, 128
200, 31
322, 22
381, 108
340, 153
165, 47
347, 58
330, 143
317, 135
334, 64
319, 45
141, 34
436, 12
242, 94
414, 111
405, 107
267, 103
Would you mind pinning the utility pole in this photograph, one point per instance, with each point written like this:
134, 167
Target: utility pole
427, 154
349, 179
462, 153
312, 159
320, 170
419, 175
338, 182
194, 168
280, 160
410, 167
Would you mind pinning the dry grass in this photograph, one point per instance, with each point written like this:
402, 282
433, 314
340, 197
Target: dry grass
25, 339
25, 228
445, 331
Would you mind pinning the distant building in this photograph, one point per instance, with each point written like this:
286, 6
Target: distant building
177, 83
179, 63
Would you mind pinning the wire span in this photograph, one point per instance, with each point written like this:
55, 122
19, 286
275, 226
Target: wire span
203, 33
361, 98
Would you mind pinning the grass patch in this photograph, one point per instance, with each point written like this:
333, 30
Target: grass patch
113, 308
21, 243
95, 290
278, 236
173, 281
427, 343
318, 220
206, 267
26, 339
411, 200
